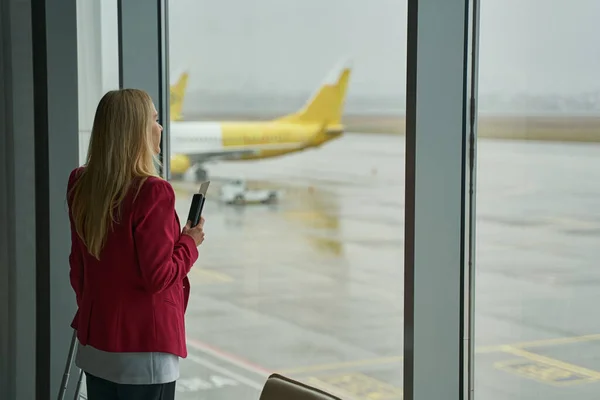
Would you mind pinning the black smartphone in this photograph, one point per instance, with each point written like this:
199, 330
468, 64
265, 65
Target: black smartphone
198, 204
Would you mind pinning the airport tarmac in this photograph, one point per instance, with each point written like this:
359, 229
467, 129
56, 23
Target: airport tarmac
312, 287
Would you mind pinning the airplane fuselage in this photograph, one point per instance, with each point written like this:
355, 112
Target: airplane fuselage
267, 139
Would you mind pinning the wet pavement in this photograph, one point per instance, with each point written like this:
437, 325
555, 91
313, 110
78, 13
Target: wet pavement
312, 287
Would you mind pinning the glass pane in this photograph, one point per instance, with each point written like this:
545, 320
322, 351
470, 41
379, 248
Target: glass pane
294, 110
538, 220
97, 69
98, 61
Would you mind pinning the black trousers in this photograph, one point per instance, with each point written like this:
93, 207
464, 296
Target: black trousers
101, 389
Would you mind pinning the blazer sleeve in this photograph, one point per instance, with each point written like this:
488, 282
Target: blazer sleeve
165, 256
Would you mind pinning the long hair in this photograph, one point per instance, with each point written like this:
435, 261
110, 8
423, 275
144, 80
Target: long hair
120, 152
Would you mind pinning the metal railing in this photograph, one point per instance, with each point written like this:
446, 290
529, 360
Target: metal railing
65, 380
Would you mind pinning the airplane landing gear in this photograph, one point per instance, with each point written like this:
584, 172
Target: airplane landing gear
176, 177
201, 174
196, 173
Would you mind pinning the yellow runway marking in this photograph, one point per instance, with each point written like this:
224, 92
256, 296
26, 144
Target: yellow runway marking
539, 343
205, 276
479, 350
593, 375
344, 364
357, 386
542, 372
331, 389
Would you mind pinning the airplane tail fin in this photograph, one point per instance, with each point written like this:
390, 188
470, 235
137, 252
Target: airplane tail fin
177, 94
327, 104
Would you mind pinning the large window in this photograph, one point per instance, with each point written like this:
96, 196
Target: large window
537, 328
98, 69
294, 110
98, 61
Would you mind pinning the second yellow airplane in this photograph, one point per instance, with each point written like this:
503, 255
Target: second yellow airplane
195, 142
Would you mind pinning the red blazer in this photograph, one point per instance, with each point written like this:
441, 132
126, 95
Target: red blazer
135, 297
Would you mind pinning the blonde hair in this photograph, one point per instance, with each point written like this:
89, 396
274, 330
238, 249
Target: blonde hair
120, 151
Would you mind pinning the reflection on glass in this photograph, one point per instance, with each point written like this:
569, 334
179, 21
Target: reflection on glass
538, 221
294, 116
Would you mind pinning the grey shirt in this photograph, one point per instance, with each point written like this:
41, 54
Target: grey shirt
128, 368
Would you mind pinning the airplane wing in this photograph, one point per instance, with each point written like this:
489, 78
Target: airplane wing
235, 153
225, 154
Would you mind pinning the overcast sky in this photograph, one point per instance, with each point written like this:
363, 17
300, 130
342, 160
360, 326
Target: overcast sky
527, 46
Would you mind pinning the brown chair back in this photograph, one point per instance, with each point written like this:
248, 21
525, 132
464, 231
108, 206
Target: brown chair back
279, 387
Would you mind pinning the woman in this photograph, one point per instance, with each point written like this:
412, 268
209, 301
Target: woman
129, 259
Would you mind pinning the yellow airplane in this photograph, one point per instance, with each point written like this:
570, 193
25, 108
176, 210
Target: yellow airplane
177, 94
195, 142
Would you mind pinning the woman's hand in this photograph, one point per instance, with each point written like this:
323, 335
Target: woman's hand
197, 232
